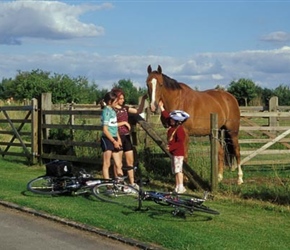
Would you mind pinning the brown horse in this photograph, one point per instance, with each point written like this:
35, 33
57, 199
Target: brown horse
199, 105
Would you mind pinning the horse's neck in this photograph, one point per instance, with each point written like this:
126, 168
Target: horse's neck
171, 99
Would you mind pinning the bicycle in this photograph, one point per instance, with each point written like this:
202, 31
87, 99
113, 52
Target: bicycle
182, 203
60, 180
117, 190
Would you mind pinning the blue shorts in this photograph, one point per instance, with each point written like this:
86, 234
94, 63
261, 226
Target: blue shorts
106, 144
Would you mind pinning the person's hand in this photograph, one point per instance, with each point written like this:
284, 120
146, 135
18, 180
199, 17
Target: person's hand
161, 105
145, 96
117, 144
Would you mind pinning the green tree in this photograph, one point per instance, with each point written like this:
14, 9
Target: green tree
266, 94
28, 85
64, 89
130, 91
283, 93
244, 90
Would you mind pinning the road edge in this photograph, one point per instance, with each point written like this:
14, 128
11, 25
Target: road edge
81, 226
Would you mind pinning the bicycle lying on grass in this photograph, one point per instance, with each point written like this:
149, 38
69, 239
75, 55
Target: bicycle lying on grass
182, 203
60, 180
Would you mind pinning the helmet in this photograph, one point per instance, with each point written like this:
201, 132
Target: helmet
179, 115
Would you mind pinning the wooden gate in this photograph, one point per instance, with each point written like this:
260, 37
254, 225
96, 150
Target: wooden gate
264, 134
19, 131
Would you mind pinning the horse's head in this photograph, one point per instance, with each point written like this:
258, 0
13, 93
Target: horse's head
154, 85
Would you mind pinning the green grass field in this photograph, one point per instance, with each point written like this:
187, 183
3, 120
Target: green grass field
242, 223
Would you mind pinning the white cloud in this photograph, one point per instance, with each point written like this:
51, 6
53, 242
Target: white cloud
46, 20
278, 36
268, 68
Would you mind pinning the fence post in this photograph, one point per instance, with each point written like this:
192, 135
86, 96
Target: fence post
148, 120
44, 104
273, 107
214, 150
34, 131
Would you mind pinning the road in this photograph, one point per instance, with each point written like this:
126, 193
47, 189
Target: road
20, 230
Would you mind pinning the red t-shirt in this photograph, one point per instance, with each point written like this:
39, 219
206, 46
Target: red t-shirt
175, 137
122, 116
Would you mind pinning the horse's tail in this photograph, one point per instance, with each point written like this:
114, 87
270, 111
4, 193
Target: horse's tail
229, 152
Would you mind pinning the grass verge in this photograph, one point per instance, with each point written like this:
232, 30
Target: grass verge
241, 225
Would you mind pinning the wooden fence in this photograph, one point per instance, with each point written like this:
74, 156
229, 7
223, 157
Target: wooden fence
264, 134
72, 132
19, 128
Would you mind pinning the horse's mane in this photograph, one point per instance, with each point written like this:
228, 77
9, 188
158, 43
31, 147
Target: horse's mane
170, 83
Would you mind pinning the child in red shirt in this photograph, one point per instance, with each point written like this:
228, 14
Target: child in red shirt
175, 138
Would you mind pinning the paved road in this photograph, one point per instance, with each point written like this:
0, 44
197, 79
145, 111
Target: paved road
20, 230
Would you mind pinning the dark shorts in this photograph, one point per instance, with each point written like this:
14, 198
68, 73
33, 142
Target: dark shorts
126, 142
106, 144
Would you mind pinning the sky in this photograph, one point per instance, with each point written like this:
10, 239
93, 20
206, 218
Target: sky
200, 43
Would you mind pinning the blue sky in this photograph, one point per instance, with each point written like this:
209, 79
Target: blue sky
201, 43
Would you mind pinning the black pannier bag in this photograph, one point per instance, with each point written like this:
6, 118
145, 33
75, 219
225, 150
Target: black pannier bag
58, 168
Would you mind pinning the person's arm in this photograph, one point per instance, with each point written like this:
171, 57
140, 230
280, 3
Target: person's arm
140, 108
164, 112
161, 105
119, 141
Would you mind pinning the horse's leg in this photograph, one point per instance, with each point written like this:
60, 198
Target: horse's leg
220, 162
236, 148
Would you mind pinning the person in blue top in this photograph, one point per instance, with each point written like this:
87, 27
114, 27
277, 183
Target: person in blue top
110, 141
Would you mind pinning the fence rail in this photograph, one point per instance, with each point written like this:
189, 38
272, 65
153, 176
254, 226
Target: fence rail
264, 132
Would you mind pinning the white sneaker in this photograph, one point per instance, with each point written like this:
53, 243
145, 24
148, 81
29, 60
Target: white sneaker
176, 190
181, 190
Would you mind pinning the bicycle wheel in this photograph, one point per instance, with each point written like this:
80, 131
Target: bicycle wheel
191, 203
117, 193
48, 185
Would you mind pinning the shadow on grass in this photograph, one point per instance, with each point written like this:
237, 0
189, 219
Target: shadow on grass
158, 212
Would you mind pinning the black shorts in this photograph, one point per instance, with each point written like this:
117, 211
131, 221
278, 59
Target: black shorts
126, 142
106, 144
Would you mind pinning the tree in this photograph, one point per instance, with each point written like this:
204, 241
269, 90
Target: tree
28, 85
244, 90
64, 89
130, 91
283, 93
266, 95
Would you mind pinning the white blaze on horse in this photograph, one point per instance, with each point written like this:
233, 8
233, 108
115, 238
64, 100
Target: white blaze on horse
199, 105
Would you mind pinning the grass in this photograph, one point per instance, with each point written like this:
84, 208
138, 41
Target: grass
242, 224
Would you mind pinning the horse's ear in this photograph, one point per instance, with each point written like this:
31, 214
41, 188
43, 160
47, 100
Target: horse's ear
159, 69
149, 69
